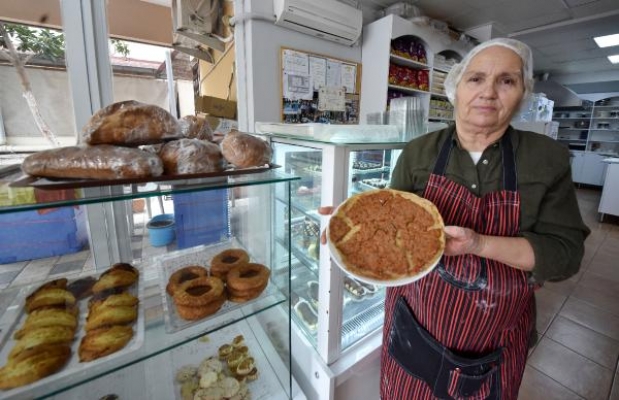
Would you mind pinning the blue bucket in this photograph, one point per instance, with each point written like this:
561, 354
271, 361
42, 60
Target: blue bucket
161, 230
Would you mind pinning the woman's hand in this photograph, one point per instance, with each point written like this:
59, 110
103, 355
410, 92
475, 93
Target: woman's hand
460, 240
327, 210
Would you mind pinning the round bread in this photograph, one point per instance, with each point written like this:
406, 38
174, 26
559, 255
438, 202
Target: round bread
191, 156
223, 262
199, 292
247, 282
193, 313
183, 275
130, 123
193, 127
386, 235
244, 150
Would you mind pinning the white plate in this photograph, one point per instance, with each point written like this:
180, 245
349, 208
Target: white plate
335, 256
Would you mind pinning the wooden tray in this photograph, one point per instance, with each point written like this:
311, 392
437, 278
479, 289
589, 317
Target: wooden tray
53, 184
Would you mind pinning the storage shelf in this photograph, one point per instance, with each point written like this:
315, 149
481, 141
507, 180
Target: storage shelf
443, 96
604, 130
407, 89
440, 118
441, 69
405, 62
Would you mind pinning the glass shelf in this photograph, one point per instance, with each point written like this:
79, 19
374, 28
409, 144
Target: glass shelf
407, 89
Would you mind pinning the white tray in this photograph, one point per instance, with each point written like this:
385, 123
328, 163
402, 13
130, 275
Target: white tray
202, 256
74, 366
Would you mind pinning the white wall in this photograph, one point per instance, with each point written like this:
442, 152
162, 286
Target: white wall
258, 45
51, 89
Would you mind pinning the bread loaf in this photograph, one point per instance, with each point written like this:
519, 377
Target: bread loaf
130, 123
93, 162
193, 127
191, 156
244, 150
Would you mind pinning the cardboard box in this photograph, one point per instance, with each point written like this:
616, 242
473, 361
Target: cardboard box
216, 107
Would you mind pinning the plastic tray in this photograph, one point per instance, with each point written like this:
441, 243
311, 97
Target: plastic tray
15, 312
199, 256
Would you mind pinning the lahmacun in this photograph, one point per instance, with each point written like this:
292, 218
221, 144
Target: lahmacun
387, 235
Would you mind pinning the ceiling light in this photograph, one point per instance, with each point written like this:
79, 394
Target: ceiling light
614, 59
607, 41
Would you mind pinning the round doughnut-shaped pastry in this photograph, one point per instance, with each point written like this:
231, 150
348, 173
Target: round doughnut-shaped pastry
248, 280
245, 150
194, 313
183, 275
223, 262
191, 156
199, 292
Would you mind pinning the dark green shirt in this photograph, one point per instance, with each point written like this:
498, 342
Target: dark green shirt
549, 215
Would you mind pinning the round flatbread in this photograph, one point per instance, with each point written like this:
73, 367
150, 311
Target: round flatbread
387, 235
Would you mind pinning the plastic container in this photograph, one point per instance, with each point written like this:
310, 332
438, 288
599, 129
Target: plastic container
161, 230
29, 235
201, 218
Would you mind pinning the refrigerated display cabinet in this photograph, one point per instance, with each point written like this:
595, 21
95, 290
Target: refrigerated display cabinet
337, 321
148, 366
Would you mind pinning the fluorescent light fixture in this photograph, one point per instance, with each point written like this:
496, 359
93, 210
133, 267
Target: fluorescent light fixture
614, 59
607, 41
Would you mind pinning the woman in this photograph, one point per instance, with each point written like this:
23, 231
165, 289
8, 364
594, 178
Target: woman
512, 222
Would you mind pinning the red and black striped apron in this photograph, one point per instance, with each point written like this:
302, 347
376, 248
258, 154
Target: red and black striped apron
462, 332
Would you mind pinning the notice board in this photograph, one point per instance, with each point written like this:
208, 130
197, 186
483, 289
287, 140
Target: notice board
319, 89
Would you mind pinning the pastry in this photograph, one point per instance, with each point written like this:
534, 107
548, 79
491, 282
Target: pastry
247, 282
47, 317
130, 123
223, 262
230, 386
50, 297
33, 364
195, 128
123, 299
101, 342
55, 334
118, 277
105, 316
245, 366
184, 274
186, 373
245, 150
211, 393
191, 156
386, 234
224, 351
354, 288
93, 162
81, 288
253, 375
235, 359
189, 387
200, 297
238, 341
208, 378
307, 314
211, 364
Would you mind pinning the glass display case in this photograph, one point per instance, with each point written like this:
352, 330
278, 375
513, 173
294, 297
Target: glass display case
334, 314
164, 350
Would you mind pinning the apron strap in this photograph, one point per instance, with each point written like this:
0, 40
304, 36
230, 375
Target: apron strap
510, 178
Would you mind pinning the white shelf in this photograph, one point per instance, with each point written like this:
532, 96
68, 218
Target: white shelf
407, 62
604, 130
407, 89
443, 96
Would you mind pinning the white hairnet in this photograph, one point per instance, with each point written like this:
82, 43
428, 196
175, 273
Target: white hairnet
524, 51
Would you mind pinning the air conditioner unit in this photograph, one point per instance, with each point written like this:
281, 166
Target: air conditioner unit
326, 19
199, 16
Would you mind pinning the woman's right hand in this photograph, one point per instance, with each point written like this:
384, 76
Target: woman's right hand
326, 210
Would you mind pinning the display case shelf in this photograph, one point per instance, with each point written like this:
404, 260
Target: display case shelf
407, 62
252, 214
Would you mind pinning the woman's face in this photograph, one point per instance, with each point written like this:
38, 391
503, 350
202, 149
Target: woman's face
490, 90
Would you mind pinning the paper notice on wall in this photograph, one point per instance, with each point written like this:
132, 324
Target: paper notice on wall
333, 74
332, 99
295, 62
348, 77
297, 86
318, 72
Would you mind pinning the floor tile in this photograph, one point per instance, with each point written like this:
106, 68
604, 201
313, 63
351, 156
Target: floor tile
614, 394
584, 341
598, 296
564, 288
548, 305
570, 369
537, 386
591, 317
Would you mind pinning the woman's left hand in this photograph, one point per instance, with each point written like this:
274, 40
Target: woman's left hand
459, 240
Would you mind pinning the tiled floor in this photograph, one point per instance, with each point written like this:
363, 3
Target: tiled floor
578, 319
578, 322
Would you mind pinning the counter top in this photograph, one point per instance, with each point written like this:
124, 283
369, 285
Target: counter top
611, 160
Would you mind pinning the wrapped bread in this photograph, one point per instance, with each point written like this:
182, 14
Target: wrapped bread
191, 156
93, 162
193, 127
244, 150
130, 123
